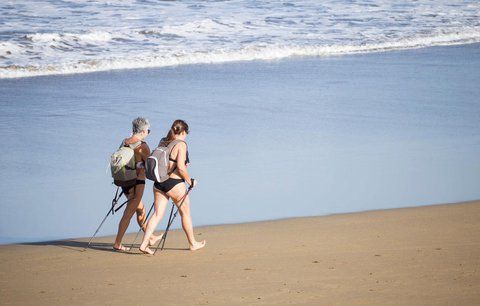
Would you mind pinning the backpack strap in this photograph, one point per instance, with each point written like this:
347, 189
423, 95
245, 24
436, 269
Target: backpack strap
170, 147
132, 146
135, 145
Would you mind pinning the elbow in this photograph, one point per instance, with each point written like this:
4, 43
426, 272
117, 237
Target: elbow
182, 170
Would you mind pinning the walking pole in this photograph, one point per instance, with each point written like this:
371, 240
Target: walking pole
111, 210
162, 240
144, 221
170, 221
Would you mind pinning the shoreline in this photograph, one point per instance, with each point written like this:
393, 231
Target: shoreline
40, 242
291, 57
388, 129
427, 254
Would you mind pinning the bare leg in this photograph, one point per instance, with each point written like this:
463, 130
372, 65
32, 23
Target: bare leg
135, 197
177, 194
142, 222
161, 200
141, 215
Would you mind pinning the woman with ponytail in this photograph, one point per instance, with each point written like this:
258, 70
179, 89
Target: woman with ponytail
174, 188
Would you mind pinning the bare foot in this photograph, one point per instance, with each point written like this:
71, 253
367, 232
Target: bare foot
154, 239
146, 251
120, 248
198, 245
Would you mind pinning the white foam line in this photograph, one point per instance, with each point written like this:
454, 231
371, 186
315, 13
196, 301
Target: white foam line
250, 53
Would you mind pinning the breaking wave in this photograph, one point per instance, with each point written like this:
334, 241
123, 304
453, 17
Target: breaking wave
126, 35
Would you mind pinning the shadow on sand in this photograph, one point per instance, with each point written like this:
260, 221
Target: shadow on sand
81, 246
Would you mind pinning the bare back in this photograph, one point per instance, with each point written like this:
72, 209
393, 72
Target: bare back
179, 154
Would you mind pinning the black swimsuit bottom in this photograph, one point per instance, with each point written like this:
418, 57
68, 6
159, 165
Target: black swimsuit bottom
126, 190
168, 184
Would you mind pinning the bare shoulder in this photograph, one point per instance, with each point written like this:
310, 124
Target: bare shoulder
179, 147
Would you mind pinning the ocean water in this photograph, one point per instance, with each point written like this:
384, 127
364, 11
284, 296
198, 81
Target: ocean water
62, 36
296, 108
268, 139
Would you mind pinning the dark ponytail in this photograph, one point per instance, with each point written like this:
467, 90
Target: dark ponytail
178, 127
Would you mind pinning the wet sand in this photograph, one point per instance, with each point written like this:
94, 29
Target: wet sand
426, 255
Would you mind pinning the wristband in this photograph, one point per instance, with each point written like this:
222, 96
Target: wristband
191, 182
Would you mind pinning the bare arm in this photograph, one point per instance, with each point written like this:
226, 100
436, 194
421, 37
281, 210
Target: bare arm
181, 149
144, 151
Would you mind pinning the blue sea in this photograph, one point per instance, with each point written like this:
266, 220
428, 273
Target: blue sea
296, 108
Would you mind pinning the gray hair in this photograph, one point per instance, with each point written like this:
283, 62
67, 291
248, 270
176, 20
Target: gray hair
139, 125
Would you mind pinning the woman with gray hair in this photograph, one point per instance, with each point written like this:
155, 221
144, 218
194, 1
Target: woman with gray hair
140, 130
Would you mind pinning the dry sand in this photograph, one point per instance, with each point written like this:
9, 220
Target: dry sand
426, 255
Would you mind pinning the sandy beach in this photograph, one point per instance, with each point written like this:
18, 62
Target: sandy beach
426, 255
335, 144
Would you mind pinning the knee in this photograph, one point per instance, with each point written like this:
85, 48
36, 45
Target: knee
128, 213
184, 210
156, 213
135, 198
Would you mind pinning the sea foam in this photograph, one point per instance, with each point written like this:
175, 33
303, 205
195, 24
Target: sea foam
125, 35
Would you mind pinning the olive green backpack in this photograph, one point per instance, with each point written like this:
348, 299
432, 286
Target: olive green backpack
123, 166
